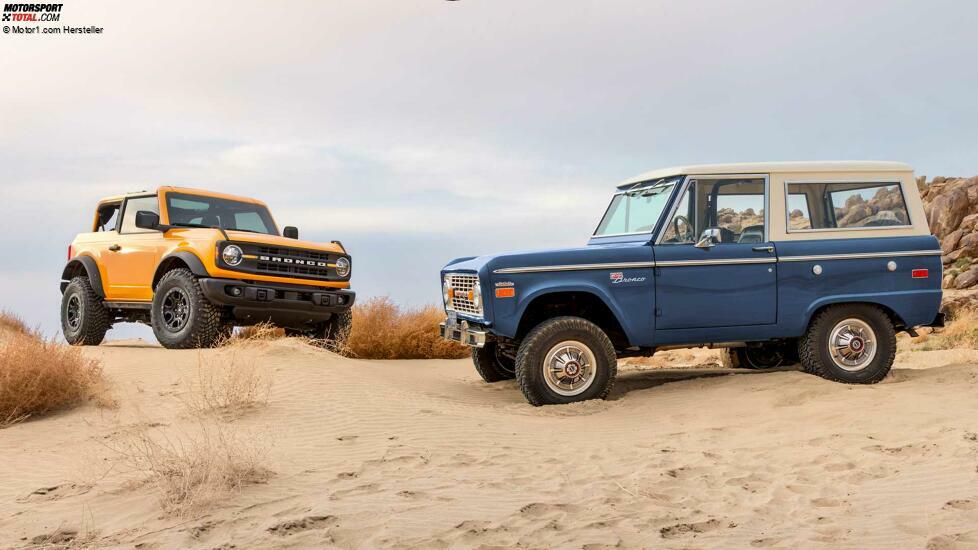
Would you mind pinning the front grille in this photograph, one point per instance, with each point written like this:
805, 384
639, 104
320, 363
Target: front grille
284, 261
461, 285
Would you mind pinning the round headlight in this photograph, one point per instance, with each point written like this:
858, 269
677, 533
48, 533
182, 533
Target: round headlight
232, 255
342, 267
477, 296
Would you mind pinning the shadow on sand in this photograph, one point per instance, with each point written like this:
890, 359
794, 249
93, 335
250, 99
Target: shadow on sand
630, 381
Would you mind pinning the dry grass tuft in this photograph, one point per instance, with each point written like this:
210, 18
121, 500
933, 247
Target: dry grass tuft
191, 471
960, 332
229, 386
261, 331
10, 322
384, 330
38, 376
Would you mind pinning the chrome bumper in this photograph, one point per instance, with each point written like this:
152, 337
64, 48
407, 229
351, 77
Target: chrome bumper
462, 334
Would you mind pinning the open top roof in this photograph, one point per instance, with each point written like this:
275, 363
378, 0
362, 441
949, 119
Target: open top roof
769, 167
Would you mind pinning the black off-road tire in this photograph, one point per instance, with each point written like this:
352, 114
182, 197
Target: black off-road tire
813, 346
331, 334
538, 343
768, 355
92, 322
205, 325
491, 366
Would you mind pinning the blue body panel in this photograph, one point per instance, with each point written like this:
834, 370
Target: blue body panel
766, 295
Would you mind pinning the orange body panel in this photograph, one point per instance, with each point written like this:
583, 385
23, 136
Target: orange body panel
127, 273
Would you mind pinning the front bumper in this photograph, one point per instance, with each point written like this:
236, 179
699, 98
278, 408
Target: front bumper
292, 306
464, 334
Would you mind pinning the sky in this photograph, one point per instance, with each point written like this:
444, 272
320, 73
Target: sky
416, 131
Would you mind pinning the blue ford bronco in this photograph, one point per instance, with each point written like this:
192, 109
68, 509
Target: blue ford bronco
776, 263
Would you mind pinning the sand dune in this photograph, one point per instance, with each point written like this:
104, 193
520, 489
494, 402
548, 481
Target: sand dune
423, 454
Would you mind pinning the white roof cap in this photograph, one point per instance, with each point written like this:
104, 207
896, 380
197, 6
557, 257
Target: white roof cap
769, 167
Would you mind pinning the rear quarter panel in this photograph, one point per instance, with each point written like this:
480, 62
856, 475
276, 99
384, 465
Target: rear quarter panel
916, 301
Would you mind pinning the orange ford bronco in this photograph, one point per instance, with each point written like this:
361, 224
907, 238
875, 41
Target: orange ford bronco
194, 264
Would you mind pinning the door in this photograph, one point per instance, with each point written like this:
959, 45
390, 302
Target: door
130, 261
728, 279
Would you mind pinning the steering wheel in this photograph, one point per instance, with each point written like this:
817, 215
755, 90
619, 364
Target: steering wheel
683, 236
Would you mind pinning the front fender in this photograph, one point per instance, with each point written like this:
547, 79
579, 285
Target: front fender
187, 257
631, 304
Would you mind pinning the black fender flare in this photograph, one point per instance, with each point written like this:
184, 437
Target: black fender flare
87, 264
188, 259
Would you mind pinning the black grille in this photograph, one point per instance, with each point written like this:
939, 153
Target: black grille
288, 262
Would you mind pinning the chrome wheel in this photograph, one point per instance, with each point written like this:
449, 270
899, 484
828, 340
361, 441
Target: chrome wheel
73, 312
569, 368
175, 309
852, 344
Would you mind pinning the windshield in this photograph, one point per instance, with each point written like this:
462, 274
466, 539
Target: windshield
201, 211
636, 211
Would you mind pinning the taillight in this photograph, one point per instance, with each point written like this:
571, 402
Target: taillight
919, 273
70, 251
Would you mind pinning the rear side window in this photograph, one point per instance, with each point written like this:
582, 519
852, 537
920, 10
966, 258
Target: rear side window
108, 217
845, 205
148, 204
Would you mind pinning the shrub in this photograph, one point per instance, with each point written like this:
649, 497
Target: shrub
39, 376
191, 470
960, 332
261, 331
12, 323
383, 330
229, 385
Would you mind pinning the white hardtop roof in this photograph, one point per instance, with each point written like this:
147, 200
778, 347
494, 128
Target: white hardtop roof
768, 167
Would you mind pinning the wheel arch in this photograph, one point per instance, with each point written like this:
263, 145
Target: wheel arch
576, 303
83, 266
895, 318
177, 260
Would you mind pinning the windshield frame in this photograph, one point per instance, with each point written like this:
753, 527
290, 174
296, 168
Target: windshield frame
267, 219
677, 182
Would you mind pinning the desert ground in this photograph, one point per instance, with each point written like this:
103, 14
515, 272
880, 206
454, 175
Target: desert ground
422, 453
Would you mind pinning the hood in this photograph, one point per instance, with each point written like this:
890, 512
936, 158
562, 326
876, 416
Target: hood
591, 254
275, 240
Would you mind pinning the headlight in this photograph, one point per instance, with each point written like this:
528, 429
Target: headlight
477, 296
232, 255
446, 292
342, 267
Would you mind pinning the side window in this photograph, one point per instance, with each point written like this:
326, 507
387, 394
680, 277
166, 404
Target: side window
848, 205
734, 206
108, 217
148, 204
799, 214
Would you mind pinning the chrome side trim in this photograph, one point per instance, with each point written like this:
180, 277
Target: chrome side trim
574, 267
731, 261
859, 255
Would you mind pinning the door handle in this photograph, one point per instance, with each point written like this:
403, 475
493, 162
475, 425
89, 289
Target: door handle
115, 248
766, 248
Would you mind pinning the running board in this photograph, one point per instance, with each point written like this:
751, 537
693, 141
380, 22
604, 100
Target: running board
129, 305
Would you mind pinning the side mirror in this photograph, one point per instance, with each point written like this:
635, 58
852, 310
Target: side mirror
290, 232
148, 220
709, 238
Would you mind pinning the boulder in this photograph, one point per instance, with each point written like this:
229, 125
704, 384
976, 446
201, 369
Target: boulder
950, 242
968, 223
946, 211
966, 279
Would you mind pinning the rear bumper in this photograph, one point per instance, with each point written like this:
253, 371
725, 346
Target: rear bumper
462, 334
292, 306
